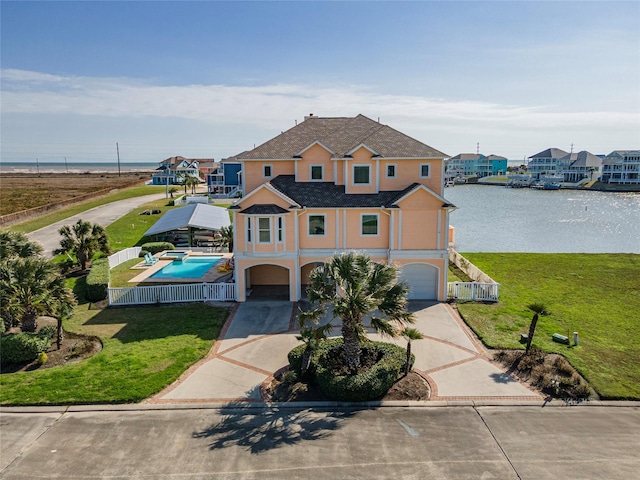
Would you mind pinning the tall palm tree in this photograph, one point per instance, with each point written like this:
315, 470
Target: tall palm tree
84, 240
539, 310
356, 287
410, 334
17, 244
30, 287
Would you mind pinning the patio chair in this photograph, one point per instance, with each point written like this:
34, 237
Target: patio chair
149, 259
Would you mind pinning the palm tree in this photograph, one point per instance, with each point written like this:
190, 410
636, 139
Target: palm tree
83, 239
191, 181
355, 287
538, 309
30, 287
410, 334
227, 237
172, 190
17, 244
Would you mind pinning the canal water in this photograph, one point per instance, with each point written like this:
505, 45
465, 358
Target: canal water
500, 219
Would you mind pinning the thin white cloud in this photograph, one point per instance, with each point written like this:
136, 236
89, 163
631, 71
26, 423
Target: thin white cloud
41, 93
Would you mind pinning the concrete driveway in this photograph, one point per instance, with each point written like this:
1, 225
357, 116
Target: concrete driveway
256, 339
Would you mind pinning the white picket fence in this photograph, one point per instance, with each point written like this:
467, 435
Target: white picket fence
191, 292
473, 291
124, 255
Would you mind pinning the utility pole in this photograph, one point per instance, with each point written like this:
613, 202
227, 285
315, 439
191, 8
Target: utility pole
478, 148
37, 167
118, 150
66, 167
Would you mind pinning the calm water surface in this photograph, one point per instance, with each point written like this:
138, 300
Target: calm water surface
499, 219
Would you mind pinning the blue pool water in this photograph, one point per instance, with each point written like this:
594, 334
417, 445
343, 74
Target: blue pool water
191, 267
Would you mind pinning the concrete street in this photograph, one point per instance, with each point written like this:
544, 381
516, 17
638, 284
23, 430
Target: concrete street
244, 442
104, 215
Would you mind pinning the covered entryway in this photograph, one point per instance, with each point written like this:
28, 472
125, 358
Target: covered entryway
422, 279
267, 282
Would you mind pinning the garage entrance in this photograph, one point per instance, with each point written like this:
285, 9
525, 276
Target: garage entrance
422, 279
267, 282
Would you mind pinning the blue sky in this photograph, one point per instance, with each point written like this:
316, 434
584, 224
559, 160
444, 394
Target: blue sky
211, 79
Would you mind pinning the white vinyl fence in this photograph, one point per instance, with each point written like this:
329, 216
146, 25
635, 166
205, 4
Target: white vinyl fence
191, 292
473, 291
124, 255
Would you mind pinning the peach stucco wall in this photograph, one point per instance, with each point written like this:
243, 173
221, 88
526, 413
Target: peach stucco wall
316, 155
252, 172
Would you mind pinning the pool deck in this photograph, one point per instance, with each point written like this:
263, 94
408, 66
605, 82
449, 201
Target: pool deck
211, 276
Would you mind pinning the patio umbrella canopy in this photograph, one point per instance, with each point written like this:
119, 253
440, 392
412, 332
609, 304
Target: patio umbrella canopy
196, 216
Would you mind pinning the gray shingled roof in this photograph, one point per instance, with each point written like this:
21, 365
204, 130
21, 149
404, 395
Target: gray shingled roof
341, 135
329, 195
550, 153
586, 159
466, 156
264, 209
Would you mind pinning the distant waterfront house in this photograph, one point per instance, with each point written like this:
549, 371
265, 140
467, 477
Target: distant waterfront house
174, 170
226, 180
580, 166
338, 184
476, 165
547, 163
622, 166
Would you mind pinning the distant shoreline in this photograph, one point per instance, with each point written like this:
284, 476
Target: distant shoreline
60, 167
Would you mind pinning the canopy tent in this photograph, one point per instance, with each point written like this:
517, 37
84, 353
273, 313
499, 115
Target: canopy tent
192, 217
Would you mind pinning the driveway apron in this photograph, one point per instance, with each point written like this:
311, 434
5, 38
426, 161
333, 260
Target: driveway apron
255, 342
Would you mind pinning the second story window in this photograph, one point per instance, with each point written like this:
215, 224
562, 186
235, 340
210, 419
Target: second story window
391, 171
425, 170
280, 229
264, 230
267, 171
361, 174
316, 225
316, 172
249, 236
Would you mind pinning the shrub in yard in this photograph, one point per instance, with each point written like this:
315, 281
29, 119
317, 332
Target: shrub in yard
48, 331
143, 253
369, 384
155, 247
22, 347
42, 358
98, 280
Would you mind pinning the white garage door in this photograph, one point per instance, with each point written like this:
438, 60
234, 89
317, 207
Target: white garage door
422, 280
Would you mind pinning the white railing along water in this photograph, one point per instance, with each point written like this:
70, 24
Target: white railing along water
473, 291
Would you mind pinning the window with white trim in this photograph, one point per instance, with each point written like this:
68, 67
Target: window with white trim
316, 225
425, 170
267, 171
249, 229
361, 174
317, 172
280, 229
391, 171
264, 230
369, 224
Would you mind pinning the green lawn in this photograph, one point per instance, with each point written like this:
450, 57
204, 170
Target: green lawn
145, 349
57, 215
596, 295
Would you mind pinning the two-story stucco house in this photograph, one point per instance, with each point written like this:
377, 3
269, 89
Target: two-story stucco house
330, 185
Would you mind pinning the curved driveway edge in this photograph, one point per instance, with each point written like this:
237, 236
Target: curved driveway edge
258, 336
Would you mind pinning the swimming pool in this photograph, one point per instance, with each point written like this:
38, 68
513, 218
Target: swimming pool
174, 254
190, 267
